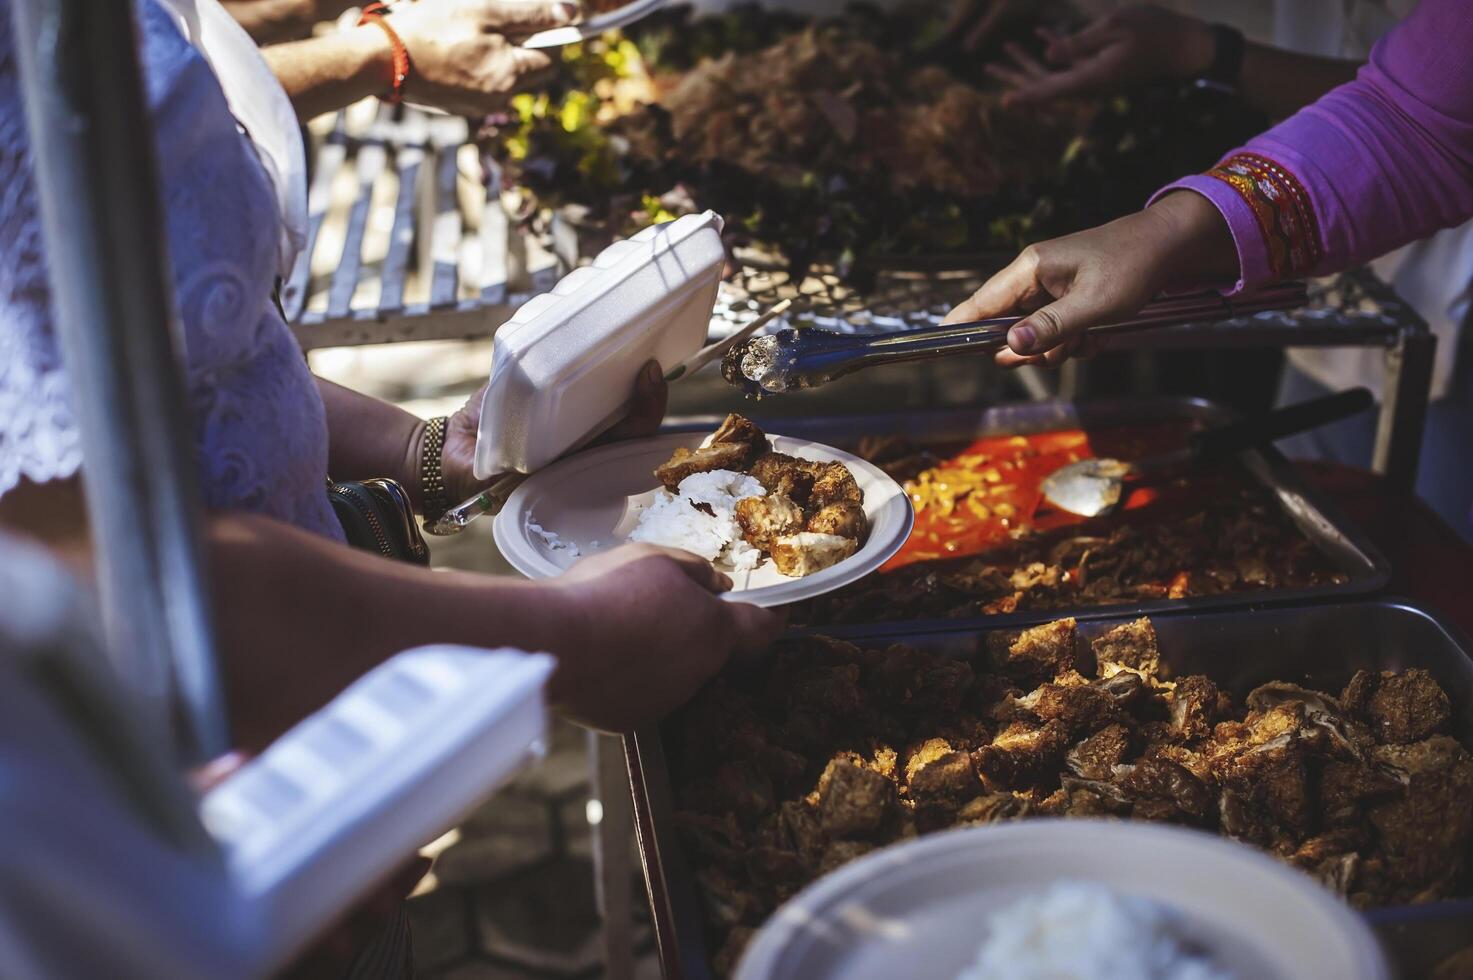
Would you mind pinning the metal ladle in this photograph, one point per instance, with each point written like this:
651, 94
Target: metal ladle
1094, 486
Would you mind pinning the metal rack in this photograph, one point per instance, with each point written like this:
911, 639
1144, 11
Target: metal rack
427, 253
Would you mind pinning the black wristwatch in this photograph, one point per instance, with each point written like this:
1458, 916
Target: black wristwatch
1227, 56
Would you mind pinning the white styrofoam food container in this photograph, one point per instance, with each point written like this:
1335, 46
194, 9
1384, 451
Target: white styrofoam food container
564, 366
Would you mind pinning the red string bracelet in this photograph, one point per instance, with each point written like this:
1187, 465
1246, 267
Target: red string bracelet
374, 14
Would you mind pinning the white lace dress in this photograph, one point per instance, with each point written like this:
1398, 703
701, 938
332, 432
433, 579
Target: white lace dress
260, 429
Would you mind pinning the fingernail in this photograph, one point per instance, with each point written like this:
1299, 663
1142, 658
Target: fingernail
564, 12
1022, 339
652, 373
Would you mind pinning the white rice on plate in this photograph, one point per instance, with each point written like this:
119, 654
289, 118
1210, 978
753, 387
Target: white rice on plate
1078, 930
674, 521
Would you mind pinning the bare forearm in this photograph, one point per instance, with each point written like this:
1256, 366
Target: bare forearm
300, 618
1280, 82
273, 21
324, 74
370, 438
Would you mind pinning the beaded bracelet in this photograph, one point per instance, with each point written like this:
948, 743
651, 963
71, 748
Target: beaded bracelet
374, 14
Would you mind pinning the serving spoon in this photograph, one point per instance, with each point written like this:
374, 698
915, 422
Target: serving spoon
1093, 486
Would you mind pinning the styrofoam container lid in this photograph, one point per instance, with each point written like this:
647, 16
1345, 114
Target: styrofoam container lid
564, 366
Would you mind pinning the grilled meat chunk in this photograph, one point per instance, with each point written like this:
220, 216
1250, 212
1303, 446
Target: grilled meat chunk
788, 475
764, 519
1131, 645
685, 462
853, 801
1407, 707
736, 445
1097, 756
1038, 654
1196, 705
834, 484
1424, 834
844, 519
796, 555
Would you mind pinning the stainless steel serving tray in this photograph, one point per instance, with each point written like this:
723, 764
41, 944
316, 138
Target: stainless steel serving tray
1347, 549
1320, 644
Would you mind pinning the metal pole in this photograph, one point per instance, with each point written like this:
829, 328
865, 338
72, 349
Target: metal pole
1404, 396
97, 185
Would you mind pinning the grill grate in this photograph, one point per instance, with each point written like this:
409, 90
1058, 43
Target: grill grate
405, 244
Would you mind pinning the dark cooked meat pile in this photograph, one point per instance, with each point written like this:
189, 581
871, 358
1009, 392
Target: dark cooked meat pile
785, 774
1235, 541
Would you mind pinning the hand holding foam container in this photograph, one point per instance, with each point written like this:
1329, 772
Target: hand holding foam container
564, 366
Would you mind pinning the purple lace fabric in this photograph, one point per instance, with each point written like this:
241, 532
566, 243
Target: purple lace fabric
260, 428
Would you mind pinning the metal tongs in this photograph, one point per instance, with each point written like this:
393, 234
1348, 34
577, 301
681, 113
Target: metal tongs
794, 359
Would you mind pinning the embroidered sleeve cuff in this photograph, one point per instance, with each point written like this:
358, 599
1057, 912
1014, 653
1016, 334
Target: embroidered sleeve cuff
1252, 255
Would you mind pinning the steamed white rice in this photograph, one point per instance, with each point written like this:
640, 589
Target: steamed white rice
674, 521
1085, 931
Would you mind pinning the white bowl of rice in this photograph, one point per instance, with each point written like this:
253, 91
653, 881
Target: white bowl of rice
1065, 900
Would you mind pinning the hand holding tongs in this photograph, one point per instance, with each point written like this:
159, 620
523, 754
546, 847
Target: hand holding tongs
794, 359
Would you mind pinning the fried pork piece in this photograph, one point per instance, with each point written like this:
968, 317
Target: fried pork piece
1131, 645
834, 484
1346, 787
1274, 777
1196, 705
853, 801
735, 445
1425, 834
1019, 752
1038, 654
1081, 709
937, 771
788, 475
845, 519
764, 519
1403, 708
1319, 718
1163, 790
1097, 756
992, 808
685, 462
797, 555
1332, 858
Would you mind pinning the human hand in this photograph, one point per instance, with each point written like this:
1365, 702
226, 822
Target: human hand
464, 53
1073, 283
646, 412
645, 629
1131, 45
975, 21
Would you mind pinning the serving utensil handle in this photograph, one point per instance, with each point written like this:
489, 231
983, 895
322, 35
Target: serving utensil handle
1227, 440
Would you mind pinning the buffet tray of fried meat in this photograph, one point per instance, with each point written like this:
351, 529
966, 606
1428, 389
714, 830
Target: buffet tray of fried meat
986, 548
1332, 736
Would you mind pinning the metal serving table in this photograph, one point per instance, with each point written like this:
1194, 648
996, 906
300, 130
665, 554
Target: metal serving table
418, 249
1319, 645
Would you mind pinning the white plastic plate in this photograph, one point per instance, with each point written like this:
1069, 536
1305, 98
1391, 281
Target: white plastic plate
919, 909
594, 26
591, 502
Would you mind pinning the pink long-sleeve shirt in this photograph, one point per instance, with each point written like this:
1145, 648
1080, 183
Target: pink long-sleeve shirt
1376, 163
